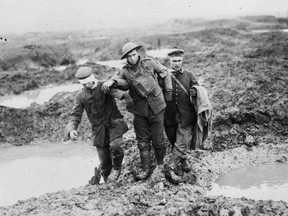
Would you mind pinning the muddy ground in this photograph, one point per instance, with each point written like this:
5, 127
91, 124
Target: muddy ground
246, 76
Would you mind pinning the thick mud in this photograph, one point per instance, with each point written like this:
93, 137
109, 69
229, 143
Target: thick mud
246, 77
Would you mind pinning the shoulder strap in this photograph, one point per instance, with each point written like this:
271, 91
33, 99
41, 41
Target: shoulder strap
179, 83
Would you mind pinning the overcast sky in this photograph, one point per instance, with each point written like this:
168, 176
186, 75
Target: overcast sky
18, 16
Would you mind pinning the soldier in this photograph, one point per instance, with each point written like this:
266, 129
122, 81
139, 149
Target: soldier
180, 114
106, 120
148, 104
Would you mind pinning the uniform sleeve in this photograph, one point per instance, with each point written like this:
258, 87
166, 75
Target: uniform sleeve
160, 69
163, 74
76, 114
120, 81
116, 93
193, 80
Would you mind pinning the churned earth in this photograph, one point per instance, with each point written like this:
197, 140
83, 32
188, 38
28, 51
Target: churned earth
246, 76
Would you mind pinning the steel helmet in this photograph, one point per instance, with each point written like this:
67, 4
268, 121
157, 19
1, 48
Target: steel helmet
129, 47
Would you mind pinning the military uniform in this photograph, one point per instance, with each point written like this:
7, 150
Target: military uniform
149, 104
180, 114
107, 124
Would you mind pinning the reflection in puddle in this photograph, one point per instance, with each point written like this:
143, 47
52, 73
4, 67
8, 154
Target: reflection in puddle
39, 96
261, 183
30, 171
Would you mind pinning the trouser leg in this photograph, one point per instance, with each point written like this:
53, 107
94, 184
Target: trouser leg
157, 134
105, 161
117, 152
143, 136
171, 123
182, 141
178, 161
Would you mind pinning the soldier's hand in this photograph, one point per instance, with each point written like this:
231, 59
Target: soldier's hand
106, 85
129, 100
73, 134
193, 92
193, 96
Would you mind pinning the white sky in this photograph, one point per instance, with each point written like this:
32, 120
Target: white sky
17, 16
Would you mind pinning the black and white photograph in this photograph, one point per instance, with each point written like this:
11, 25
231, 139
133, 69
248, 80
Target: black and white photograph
143, 107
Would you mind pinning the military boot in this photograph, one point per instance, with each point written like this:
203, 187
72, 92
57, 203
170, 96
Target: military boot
160, 154
185, 165
117, 164
158, 173
171, 172
146, 165
113, 176
96, 178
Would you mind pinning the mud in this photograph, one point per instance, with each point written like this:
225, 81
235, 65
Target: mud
246, 76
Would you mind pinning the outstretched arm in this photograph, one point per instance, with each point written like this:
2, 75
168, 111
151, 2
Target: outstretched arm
75, 118
117, 81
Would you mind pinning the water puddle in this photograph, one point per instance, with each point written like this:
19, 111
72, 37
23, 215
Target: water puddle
113, 63
159, 53
269, 30
30, 171
39, 96
260, 183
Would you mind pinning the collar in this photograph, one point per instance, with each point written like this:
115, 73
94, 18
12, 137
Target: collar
181, 71
95, 84
133, 66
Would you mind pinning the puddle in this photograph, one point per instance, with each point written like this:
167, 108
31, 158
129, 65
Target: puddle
30, 171
113, 63
160, 53
260, 183
269, 30
39, 96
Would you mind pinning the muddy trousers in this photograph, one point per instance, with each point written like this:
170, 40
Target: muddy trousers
151, 128
111, 156
181, 137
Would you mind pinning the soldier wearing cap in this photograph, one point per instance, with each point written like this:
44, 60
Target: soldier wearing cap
180, 114
106, 120
148, 104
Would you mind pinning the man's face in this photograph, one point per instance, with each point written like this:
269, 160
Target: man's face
88, 85
132, 57
176, 62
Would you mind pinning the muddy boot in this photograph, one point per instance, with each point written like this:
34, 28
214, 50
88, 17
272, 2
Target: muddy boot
117, 164
185, 165
159, 154
96, 178
158, 173
146, 165
113, 176
171, 170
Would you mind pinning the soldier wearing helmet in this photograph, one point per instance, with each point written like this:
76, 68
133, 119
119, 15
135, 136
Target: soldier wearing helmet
148, 104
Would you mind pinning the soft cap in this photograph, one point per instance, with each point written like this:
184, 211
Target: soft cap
83, 72
176, 52
84, 75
